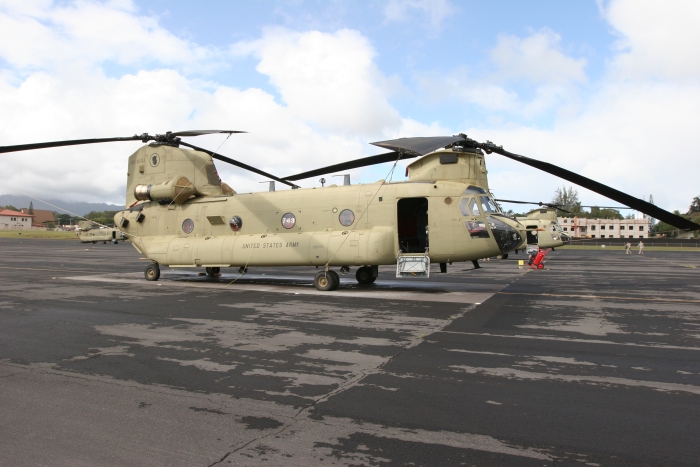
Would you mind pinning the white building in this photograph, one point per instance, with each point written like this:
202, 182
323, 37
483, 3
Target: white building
605, 228
14, 220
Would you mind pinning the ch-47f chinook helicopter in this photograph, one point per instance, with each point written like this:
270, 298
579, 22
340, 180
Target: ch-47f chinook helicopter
542, 230
179, 214
90, 233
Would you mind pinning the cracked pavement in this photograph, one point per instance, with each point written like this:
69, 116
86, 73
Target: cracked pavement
594, 361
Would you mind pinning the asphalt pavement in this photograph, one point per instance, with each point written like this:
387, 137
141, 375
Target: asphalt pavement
594, 360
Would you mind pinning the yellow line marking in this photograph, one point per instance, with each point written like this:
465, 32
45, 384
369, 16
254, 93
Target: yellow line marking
607, 297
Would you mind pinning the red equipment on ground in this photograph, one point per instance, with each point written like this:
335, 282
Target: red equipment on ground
537, 258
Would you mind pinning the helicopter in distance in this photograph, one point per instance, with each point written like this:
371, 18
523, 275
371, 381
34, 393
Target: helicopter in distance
541, 226
178, 213
89, 233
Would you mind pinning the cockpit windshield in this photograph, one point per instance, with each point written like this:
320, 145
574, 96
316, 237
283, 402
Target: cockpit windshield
488, 205
478, 206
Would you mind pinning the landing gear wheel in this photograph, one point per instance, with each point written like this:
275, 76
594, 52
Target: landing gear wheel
212, 272
364, 275
336, 279
152, 272
505, 256
93, 243
325, 281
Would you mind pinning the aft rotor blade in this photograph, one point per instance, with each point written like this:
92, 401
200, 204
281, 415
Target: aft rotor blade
168, 138
238, 164
597, 187
354, 164
72, 142
419, 146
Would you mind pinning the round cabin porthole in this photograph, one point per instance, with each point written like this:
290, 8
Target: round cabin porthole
288, 220
188, 226
346, 217
235, 223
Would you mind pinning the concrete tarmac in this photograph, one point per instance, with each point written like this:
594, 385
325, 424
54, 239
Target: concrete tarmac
594, 360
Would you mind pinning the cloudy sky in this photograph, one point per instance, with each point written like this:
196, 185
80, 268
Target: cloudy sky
608, 89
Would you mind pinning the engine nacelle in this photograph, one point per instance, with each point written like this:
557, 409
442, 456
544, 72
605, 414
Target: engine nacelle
179, 190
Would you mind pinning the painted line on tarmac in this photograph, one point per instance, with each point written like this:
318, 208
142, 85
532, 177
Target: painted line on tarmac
414, 296
513, 373
40, 269
572, 339
605, 297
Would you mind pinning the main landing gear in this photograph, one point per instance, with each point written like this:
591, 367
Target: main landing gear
213, 272
152, 272
329, 280
326, 280
365, 276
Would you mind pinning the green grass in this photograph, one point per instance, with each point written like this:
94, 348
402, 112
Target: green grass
622, 248
50, 234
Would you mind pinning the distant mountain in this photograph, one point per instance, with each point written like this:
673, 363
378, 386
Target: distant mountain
80, 209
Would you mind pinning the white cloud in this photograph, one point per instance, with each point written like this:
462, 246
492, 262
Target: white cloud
537, 58
44, 34
639, 139
534, 63
329, 80
54, 88
656, 39
403, 10
636, 134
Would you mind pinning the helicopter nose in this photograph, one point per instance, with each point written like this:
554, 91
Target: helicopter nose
507, 236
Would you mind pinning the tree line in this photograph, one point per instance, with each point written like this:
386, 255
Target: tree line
101, 217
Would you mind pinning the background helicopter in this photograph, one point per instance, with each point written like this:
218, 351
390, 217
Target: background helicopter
541, 225
179, 213
91, 233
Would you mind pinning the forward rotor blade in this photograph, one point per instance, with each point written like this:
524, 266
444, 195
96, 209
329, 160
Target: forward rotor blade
73, 142
549, 205
354, 164
238, 164
609, 192
518, 202
204, 132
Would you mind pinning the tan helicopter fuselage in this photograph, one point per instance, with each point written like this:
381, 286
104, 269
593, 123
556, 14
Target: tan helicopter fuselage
101, 235
90, 233
543, 230
188, 218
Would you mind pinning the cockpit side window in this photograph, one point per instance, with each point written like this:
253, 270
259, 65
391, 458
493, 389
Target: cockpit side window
463, 207
474, 207
469, 207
